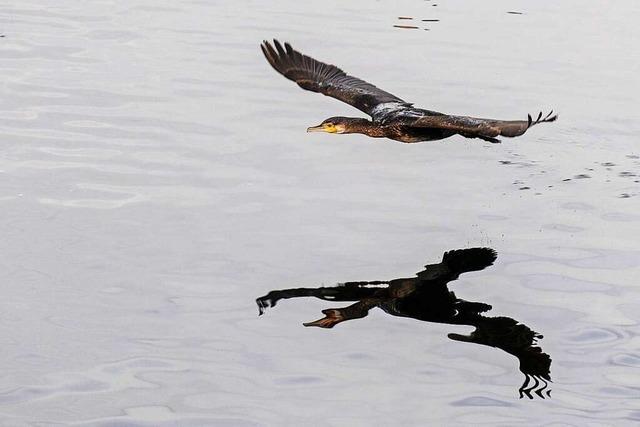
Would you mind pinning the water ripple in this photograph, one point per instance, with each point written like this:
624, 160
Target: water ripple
481, 401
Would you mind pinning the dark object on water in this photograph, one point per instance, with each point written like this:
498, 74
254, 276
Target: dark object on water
426, 297
513, 12
392, 117
409, 27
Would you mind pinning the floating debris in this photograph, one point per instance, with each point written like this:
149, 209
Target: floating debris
506, 162
582, 176
525, 188
607, 164
566, 179
513, 12
413, 27
626, 174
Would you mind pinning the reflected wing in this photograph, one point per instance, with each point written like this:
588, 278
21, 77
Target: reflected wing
519, 340
459, 261
472, 127
327, 79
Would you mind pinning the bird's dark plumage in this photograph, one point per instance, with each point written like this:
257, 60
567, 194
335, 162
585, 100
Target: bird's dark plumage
427, 298
327, 79
458, 261
392, 117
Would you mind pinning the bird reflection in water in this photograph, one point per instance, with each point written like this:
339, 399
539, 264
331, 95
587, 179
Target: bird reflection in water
426, 297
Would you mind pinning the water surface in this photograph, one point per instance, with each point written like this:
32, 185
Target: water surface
155, 177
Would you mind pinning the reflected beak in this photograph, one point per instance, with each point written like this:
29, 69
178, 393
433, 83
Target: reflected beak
318, 128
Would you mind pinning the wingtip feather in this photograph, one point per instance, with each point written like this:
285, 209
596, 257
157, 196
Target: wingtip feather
279, 47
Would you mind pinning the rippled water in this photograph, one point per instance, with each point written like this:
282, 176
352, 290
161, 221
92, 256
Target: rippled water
156, 177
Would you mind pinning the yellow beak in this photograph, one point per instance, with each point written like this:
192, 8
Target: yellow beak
319, 128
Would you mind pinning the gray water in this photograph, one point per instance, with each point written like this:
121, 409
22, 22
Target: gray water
156, 177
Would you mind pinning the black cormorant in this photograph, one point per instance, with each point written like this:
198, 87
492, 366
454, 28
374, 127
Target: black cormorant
391, 116
427, 297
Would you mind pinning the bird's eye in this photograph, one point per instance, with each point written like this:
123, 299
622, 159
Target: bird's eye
329, 124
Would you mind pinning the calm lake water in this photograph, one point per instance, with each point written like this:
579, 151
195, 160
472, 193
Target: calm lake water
156, 177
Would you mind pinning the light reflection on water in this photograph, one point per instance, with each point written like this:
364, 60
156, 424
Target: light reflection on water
156, 176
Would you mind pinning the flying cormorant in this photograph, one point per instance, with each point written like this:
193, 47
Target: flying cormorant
391, 116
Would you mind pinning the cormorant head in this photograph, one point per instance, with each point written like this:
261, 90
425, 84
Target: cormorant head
337, 125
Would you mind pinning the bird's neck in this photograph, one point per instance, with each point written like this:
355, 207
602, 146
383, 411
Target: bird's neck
365, 127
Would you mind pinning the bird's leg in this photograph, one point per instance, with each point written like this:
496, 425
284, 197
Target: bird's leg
491, 140
484, 138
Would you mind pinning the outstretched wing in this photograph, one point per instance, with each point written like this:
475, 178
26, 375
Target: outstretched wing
329, 80
472, 127
459, 261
